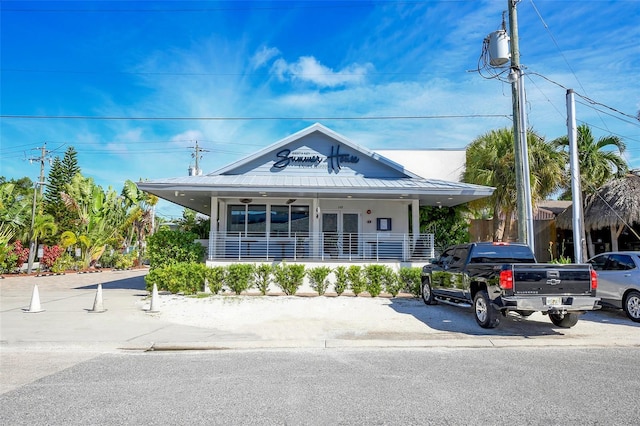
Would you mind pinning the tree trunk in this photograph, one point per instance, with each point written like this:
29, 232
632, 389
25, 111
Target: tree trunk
498, 226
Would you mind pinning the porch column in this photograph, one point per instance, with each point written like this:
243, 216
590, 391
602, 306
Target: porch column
415, 220
316, 215
213, 228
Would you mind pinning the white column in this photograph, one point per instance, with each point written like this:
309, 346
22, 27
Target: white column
415, 220
213, 228
316, 216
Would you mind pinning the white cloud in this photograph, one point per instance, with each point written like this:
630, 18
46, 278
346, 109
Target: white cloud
308, 69
264, 55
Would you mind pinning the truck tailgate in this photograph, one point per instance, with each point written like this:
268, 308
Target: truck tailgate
551, 279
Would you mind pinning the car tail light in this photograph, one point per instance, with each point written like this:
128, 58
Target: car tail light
506, 279
594, 280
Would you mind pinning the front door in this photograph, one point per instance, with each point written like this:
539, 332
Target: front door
341, 232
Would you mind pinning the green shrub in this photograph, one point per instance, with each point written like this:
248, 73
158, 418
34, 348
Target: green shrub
391, 282
167, 247
373, 275
125, 261
215, 277
411, 279
186, 277
341, 283
288, 277
318, 278
356, 281
262, 277
63, 263
239, 277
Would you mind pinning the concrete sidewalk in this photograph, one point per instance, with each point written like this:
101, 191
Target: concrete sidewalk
67, 323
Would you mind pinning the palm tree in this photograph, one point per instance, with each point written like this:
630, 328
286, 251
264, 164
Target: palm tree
598, 164
98, 216
140, 217
490, 161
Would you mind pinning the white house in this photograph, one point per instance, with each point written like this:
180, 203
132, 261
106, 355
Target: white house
317, 196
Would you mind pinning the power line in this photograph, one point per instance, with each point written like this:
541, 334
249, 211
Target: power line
121, 118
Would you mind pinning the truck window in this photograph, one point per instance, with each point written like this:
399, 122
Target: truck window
502, 254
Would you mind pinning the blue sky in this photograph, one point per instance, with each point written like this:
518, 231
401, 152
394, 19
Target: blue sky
155, 77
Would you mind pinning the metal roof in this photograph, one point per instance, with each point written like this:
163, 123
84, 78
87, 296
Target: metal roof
195, 192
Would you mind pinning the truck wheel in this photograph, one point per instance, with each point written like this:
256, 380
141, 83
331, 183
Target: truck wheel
486, 315
632, 306
427, 296
567, 320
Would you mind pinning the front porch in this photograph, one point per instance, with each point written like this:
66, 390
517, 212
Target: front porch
326, 246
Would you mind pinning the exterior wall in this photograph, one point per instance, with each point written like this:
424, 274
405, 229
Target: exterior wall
444, 164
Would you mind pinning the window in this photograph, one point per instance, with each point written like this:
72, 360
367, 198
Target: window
251, 220
279, 221
300, 220
256, 219
236, 219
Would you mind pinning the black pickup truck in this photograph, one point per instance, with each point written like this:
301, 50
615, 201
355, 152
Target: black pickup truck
496, 278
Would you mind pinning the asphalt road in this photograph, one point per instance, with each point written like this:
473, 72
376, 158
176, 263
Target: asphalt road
426, 386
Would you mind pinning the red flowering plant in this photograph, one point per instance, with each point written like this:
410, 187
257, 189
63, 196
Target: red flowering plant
50, 255
22, 253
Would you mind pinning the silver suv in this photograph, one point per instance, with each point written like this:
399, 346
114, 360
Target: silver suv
619, 280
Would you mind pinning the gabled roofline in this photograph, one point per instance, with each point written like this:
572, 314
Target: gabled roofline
316, 127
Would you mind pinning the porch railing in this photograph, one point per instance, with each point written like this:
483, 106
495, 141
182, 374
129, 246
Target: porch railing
323, 246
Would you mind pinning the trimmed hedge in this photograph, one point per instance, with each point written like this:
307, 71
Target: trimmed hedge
192, 277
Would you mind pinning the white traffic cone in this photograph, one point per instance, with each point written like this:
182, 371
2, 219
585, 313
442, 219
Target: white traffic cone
153, 307
98, 305
35, 307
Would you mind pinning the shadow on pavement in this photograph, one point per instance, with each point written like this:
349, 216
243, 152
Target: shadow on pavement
131, 283
460, 320
608, 315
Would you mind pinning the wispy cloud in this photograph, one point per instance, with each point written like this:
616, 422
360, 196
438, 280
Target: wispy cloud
308, 69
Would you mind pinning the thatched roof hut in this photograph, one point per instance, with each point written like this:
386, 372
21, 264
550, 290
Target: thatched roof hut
615, 205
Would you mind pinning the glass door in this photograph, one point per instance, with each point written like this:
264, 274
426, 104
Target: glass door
341, 232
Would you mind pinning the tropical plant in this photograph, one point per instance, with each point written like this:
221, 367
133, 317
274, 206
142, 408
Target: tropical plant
215, 277
341, 279
50, 254
490, 161
373, 275
411, 278
6, 234
166, 247
140, 218
239, 277
449, 225
599, 161
318, 278
356, 281
98, 215
185, 277
288, 277
16, 204
262, 277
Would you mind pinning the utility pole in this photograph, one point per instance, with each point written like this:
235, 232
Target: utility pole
197, 156
44, 155
526, 232
32, 241
579, 241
